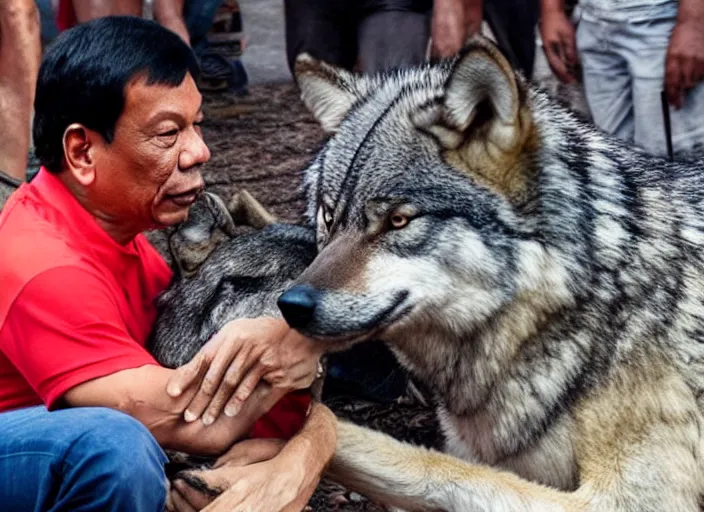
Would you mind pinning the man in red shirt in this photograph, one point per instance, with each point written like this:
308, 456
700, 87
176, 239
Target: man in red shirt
117, 131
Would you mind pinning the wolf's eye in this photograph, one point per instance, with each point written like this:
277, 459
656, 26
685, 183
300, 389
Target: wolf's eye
399, 221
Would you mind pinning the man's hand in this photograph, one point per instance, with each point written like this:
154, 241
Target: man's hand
232, 363
261, 475
684, 64
253, 475
454, 21
559, 42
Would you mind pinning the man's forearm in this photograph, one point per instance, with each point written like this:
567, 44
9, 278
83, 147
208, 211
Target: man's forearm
141, 393
690, 11
552, 6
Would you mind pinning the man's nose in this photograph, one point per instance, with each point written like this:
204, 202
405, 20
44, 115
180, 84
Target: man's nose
194, 153
298, 305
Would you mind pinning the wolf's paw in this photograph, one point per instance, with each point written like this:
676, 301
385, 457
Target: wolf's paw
196, 482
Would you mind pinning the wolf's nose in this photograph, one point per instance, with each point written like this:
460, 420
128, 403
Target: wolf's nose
298, 305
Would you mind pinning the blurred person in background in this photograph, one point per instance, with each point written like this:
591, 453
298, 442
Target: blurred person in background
375, 35
378, 34
630, 51
192, 20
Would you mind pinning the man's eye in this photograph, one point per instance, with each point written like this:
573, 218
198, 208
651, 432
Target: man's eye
170, 133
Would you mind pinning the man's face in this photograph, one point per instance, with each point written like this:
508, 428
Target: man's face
150, 174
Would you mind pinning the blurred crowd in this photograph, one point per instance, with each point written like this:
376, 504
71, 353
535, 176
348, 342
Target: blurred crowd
638, 62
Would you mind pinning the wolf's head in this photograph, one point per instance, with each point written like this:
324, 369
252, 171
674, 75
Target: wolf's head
424, 200
242, 278
224, 274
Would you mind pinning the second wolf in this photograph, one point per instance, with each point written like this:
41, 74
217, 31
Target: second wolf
544, 280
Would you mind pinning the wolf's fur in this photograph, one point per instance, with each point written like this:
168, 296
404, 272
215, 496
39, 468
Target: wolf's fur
545, 280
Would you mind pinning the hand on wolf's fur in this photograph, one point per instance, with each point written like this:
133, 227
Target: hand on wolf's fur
254, 475
453, 22
559, 42
684, 64
232, 363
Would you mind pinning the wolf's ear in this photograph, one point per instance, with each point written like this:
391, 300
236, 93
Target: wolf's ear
223, 219
326, 90
247, 211
481, 78
484, 123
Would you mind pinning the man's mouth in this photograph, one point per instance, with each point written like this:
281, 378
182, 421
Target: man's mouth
184, 199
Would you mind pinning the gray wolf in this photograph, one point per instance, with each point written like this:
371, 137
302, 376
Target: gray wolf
546, 281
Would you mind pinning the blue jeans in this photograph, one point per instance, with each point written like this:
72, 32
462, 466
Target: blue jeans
79, 460
199, 16
624, 73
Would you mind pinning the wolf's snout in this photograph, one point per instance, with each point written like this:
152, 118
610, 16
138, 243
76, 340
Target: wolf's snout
298, 304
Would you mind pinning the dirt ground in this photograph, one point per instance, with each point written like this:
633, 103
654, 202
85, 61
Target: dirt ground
262, 142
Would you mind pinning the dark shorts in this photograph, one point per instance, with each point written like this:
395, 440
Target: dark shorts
370, 34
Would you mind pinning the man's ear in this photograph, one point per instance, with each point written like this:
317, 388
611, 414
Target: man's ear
78, 152
328, 92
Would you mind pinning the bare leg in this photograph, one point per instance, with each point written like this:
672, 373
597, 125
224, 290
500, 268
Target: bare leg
87, 10
20, 53
169, 13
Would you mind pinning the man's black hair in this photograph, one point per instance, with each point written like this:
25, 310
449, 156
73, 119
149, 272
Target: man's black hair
83, 77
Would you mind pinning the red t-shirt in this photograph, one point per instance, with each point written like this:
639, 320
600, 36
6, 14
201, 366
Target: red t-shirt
75, 305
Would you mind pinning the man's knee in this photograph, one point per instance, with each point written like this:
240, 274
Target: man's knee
19, 14
119, 454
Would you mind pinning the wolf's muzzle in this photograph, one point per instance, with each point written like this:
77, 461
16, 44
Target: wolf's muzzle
298, 305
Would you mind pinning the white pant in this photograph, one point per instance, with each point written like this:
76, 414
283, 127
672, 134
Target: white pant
624, 73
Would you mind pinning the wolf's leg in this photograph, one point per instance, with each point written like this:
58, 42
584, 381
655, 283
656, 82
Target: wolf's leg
637, 440
248, 211
416, 479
